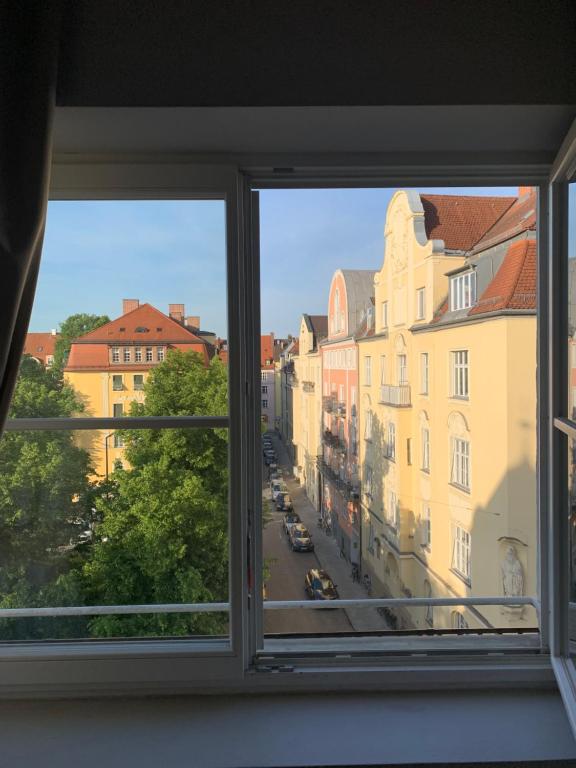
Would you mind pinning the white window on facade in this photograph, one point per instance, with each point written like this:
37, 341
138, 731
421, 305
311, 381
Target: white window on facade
367, 371
341, 393
115, 354
424, 373
118, 440
384, 314
460, 474
368, 481
117, 383
368, 427
393, 511
391, 443
463, 291
425, 434
127, 354
49, 360
420, 303
160, 354
148, 354
264, 403
371, 538
264, 390
383, 372
460, 373
138, 381
461, 546
402, 370
458, 621
138, 354
426, 526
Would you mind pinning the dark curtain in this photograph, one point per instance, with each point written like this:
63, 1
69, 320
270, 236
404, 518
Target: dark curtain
29, 33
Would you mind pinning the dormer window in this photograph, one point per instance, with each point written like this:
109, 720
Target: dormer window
141, 329
463, 291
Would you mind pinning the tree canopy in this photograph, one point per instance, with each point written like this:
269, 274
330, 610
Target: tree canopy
70, 329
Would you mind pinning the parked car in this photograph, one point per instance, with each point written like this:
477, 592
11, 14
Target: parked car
284, 502
276, 487
290, 519
300, 539
269, 459
319, 586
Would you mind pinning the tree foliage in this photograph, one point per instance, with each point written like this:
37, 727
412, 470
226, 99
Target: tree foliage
73, 327
164, 531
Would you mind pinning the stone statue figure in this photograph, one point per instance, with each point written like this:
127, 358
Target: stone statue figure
512, 573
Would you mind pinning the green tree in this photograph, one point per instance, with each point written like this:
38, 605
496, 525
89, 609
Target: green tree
164, 531
44, 502
73, 327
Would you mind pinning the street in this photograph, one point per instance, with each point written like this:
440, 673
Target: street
287, 569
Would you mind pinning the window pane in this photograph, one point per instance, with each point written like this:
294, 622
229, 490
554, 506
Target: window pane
152, 530
465, 527
104, 306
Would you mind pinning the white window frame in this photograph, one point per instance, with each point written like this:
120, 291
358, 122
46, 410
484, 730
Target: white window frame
460, 463
425, 441
426, 541
383, 371
402, 369
463, 291
160, 354
176, 667
149, 358
127, 355
424, 373
460, 373
420, 303
462, 552
137, 354
115, 354
367, 370
384, 315
391, 441
368, 424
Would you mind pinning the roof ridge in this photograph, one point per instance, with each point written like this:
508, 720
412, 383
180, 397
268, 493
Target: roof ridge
491, 227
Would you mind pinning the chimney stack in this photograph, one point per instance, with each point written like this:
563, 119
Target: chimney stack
525, 191
129, 305
53, 331
176, 312
192, 322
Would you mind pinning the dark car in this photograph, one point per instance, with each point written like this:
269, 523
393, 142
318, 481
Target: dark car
284, 502
300, 540
319, 586
270, 458
290, 519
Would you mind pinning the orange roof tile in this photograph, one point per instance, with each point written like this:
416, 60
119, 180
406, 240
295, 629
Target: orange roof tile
518, 218
514, 285
155, 325
461, 220
39, 345
267, 350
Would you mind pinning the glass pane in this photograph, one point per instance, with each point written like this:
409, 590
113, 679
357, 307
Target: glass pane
345, 447
104, 318
154, 530
572, 401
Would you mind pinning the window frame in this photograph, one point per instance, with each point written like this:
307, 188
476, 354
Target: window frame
174, 668
459, 374
424, 373
460, 463
420, 303
463, 288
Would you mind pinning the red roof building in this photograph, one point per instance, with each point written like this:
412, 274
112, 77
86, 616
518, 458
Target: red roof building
41, 346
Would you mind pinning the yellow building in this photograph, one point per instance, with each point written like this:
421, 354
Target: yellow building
448, 409
307, 404
109, 366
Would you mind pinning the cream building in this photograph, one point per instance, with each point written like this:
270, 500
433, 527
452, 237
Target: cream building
448, 408
307, 405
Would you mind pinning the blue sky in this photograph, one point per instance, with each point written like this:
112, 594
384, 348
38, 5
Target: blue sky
97, 253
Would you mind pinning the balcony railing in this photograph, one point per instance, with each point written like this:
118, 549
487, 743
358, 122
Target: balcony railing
329, 438
308, 386
346, 488
398, 396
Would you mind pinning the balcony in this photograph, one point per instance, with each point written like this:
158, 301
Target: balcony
341, 409
398, 396
332, 440
346, 488
308, 386
328, 403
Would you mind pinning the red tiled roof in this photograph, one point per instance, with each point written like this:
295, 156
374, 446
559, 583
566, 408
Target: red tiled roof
40, 344
157, 327
267, 351
514, 285
461, 220
88, 356
518, 218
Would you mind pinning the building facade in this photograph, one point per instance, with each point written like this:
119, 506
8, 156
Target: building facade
109, 366
349, 303
41, 347
448, 409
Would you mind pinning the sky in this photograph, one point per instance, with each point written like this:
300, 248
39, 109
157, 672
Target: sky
98, 252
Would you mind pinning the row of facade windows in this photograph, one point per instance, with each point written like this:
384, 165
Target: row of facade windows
459, 372
141, 354
118, 382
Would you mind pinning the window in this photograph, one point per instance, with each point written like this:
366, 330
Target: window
461, 545
49, 360
149, 354
463, 291
118, 440
368, 481
425, 433
461, 463
368, 426
420, 303
459, 366
391, 443
117, 384
426, 540
138, 354
160, 354
138, 381
384, 314
383, 374
265, 390
115, 354
127, 354
264, 403
118, 410
458, 621
424, 373
367, 371
402, 370
393, 511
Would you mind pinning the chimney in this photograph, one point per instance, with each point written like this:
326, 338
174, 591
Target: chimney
525, 191
192, 322
129, 305
53, 331
176, 312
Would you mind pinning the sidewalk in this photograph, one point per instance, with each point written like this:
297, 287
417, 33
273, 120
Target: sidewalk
327, 552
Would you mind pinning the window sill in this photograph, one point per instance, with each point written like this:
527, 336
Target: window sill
461, 488
464, 579
460, 398
426, 471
